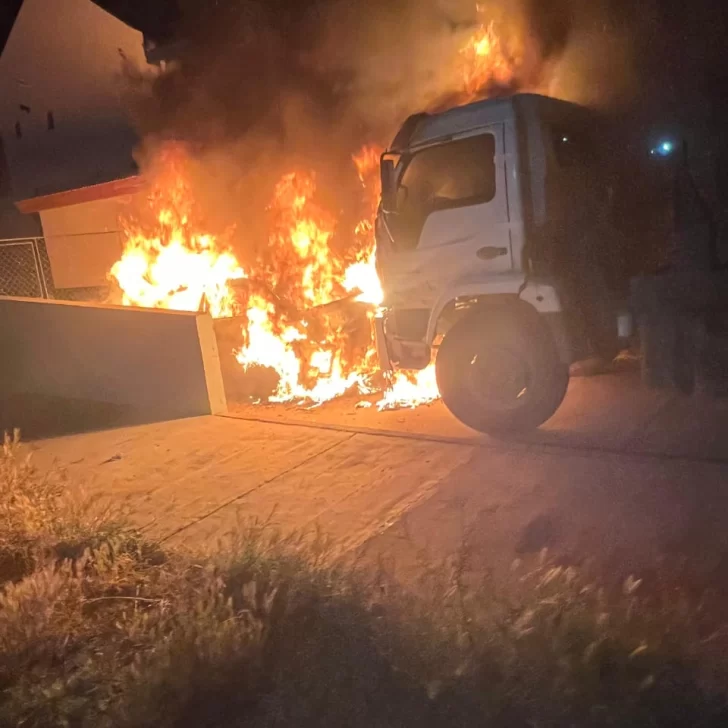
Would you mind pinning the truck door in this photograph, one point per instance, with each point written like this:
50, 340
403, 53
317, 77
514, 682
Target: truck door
452, 217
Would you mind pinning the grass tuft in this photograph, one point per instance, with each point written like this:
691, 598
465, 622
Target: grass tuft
99, 627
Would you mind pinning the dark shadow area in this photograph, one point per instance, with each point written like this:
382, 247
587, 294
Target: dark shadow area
39, 416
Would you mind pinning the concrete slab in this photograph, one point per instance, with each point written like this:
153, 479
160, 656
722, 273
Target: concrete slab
192, 480
72, 359
610, 413
350, 492
611, 515
172, 474
427, 483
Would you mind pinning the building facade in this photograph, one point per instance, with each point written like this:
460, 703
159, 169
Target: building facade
67, 141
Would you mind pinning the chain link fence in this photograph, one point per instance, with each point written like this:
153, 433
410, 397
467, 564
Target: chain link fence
25, 269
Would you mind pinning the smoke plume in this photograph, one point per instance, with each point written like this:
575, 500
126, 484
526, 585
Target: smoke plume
256, 89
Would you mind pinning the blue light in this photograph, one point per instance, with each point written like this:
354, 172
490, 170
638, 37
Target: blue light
664, 149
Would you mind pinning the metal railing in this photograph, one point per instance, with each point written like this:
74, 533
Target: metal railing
25, 268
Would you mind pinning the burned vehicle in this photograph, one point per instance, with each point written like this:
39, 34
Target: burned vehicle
499, 256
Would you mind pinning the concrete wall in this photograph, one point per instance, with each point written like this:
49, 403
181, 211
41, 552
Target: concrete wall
62, 116
152, 364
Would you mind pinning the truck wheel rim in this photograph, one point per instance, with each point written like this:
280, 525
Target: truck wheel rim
498, 380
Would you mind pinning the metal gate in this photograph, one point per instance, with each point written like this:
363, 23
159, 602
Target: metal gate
25, 269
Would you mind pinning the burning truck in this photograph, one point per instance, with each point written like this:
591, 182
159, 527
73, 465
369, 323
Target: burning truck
506, 239
490, 234
490, 254
502, 251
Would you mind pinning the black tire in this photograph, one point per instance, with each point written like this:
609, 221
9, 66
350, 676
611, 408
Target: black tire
499, 371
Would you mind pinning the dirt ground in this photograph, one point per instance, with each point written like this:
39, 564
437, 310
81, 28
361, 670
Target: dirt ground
621, 481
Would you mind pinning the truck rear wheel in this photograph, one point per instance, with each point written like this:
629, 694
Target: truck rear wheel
499, 370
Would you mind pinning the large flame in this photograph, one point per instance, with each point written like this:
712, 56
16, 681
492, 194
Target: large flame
362, 274
288, 311
300, 338
485, 62
168, 262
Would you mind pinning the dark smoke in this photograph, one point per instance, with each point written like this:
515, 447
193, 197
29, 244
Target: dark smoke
355, 68
257, 88
551, 22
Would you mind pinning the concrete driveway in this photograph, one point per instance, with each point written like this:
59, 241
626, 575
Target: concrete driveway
622, 480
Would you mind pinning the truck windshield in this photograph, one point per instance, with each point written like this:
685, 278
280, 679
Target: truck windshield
454, 174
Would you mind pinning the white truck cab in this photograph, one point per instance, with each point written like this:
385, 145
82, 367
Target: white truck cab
490, 248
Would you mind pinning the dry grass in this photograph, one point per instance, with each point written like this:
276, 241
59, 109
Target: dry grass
99, 628
42, 517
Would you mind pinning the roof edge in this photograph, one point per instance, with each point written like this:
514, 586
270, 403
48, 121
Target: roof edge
92, 193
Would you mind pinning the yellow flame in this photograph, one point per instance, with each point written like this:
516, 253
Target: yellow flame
166, 262
484, 62
172, 262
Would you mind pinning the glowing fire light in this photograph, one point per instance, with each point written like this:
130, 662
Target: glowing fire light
269, 346
410, 390
484, 63
302, 265
170, 265
309, 358
167, 263
362, 274
171, 262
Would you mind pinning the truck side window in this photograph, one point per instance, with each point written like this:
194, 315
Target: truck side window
455, 174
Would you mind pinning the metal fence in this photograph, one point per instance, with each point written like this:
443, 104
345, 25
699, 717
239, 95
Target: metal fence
25, 269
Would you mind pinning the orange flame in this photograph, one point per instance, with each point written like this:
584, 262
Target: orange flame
167, 263
484, 63
170, 262
311, 357
301, 264
362, 274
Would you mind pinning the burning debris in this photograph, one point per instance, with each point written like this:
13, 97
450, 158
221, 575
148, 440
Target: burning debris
315, 354
303, 312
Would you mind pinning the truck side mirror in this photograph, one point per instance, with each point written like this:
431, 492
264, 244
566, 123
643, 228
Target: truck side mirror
389, 185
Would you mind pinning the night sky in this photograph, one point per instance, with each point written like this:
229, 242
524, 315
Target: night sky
8, 11
693, 31
684, 58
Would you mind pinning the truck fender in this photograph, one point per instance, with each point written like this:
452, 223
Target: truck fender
541, 295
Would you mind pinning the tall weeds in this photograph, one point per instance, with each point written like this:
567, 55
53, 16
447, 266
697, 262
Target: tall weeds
99, 627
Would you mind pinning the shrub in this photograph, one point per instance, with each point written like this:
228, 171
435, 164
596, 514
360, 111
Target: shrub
100, 628
40, 516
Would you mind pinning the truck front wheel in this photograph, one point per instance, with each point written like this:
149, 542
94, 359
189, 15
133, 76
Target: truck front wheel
498, 370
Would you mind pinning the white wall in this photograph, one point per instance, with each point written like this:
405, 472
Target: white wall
83, 241
65, 57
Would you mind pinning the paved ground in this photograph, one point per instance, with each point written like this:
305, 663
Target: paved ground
614, 413
622, 480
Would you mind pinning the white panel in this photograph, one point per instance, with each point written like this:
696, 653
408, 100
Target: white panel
83, 242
